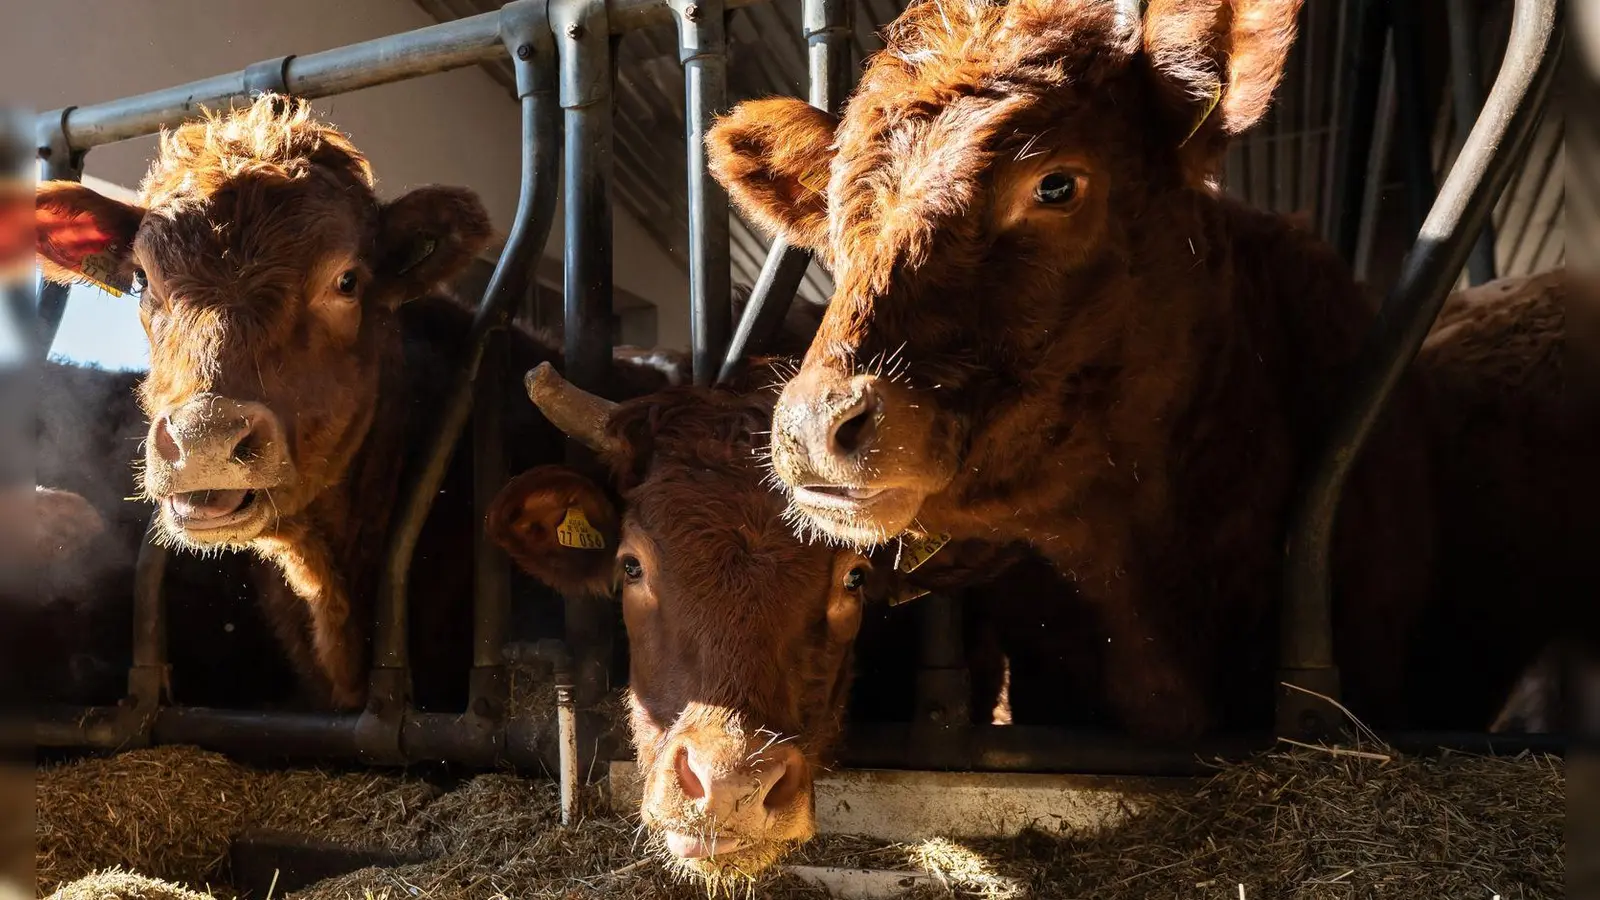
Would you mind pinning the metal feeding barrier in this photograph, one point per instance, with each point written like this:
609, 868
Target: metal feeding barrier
561, 52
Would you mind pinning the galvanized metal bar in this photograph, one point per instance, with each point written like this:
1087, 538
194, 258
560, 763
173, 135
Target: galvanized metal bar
149, 680
491, 569
527, 38
435, 48
1466, 93
1486, 162
944, 686
827, 26
703, 50
583, 43
58, 162
1372, 180
1361, 62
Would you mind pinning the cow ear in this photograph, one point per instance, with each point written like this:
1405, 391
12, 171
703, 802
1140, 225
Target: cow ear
558, 526
85, 235
425, 239
774, 156
1217, 64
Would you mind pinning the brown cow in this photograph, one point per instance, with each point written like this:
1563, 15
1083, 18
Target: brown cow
1050, 327
289, 365
740, 634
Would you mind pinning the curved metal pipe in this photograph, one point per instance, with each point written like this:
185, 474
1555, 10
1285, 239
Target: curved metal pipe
1464, 202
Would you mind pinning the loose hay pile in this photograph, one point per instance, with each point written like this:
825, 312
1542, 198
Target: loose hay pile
1304, 824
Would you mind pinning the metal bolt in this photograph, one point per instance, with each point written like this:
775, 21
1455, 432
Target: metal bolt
525, 52
691, 12
574, 31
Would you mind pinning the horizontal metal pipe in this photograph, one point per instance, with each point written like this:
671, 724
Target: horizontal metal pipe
410, 54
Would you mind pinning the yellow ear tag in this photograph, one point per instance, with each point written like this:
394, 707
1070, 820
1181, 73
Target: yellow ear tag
814, 184
100, 270
1216, 97
916, 549
576, 532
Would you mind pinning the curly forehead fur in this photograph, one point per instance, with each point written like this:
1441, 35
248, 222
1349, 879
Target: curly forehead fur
693, 475
275, 137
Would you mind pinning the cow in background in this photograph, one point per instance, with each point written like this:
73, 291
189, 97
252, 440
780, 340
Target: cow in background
299, 345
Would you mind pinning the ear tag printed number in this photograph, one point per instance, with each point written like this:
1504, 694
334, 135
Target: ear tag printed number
814, 184
101, 270
916, 549
576, 532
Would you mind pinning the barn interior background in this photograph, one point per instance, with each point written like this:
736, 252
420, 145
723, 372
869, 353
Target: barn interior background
1299, 162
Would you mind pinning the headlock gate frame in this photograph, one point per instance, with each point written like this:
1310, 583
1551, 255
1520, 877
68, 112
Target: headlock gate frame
561, 51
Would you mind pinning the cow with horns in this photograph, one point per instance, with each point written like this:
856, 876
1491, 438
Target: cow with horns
741, 634
1049, 326
298, 339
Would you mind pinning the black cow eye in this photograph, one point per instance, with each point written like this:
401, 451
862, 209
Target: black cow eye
631, 570
855, 579
347, 283
140, 282
1056, 188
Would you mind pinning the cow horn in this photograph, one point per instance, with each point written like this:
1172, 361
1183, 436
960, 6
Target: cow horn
579, 414
1129, 20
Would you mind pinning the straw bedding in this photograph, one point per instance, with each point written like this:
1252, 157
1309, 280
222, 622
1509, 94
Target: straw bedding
1305, 824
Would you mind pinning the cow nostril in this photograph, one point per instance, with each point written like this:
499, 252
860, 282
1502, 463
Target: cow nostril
855, 429
693, 788
252, 441
166, 444
785, 788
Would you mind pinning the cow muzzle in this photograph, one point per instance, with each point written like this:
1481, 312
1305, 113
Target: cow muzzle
722, 804
853, 453
210, 464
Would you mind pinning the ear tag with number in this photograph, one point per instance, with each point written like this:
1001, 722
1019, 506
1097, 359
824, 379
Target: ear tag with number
814, 184
576, 532
102, 271
916, 549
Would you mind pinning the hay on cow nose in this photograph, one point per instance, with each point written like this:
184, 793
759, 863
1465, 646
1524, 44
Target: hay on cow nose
1307, 824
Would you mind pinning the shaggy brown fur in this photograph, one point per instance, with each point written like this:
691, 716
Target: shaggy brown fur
1129, 374
275, 296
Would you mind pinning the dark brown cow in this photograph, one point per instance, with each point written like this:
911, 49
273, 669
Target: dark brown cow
741, 634
290, 366
1049, 326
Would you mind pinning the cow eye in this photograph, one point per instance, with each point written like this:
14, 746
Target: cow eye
347, 283
855, 579
140, 282
1056, 188
631, 570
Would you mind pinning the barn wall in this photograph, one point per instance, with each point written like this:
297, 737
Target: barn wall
454, 128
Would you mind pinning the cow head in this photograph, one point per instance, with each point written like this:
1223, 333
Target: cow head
739, 633
1013, 206
268, 278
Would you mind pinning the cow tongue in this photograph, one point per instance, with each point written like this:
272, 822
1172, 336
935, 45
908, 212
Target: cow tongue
201, 506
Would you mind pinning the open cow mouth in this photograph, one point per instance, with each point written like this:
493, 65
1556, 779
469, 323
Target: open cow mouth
694, 846
199, 511
858, 515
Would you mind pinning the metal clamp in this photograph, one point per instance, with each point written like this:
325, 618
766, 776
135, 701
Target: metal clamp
525, 32
270, 76
583, 39
61, 162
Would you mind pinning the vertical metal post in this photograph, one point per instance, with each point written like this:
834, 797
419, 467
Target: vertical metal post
583, 42
1466, 85
58, 162
525, 34
1362, 64
1377, 166
703, 50
491, 573
944, 687
827, 28
1481, 172
149, 680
